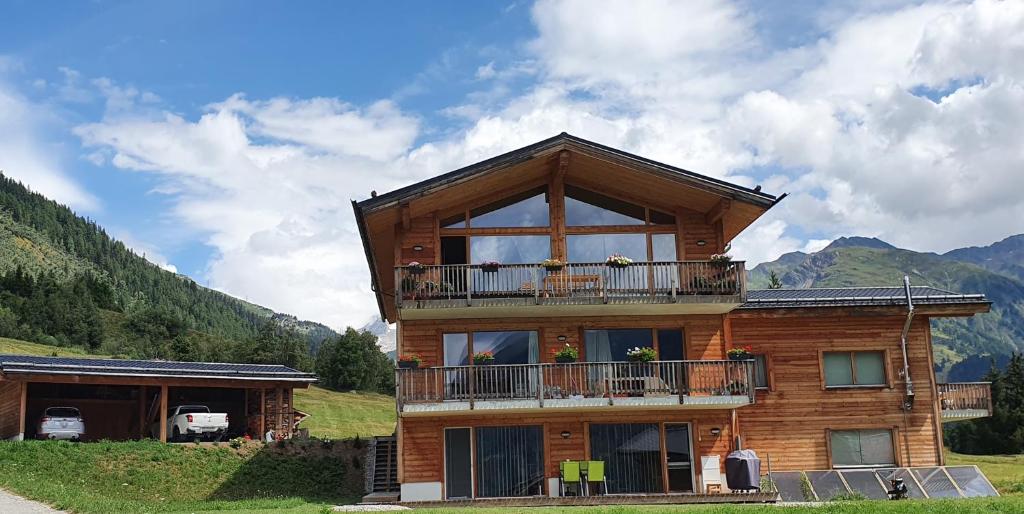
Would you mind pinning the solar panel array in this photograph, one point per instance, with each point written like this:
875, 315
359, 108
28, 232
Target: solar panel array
930, 482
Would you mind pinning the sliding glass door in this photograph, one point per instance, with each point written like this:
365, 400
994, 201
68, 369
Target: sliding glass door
632, 456
458, 463
509, 461
680, 457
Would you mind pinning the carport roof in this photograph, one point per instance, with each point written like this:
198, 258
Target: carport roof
25, 364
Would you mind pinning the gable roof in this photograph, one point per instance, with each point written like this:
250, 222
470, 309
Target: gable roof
527, 152
35, 365
856, 297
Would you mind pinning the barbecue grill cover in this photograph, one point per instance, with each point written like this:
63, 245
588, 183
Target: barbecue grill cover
743, 470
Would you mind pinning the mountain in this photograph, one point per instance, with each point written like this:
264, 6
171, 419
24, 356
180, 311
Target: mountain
48, 253
1005, 257
387, 339
964, 348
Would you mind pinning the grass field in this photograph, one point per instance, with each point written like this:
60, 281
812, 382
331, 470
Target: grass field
342, 415
18, 347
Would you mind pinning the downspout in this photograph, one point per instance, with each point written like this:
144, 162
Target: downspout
908, 401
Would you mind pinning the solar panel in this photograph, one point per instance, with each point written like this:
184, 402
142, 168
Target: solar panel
936, 483
865, 482
827, 484
790, 486
972, 483
913, 490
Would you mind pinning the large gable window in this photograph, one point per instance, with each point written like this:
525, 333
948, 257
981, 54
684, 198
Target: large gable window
587, 208
527, 209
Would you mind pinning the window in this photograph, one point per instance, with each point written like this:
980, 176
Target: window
663, 247
612, 345
671, 346
846, 369
509, 249
632, 456
597, 247
508, 347
587, 208
761, 371
509, 461
529, 209
867, 448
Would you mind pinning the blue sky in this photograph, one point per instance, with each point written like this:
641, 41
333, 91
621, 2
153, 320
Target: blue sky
224, 139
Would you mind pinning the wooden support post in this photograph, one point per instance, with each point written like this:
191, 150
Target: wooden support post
680, 235
142, 412
263, 413
22, 408
280, 407
556, 203
163, 414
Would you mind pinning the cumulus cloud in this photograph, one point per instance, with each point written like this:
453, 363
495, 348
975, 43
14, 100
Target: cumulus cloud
901, 122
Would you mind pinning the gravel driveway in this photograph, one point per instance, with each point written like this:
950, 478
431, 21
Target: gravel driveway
11, 504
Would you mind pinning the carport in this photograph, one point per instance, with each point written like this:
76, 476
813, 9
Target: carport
130, 399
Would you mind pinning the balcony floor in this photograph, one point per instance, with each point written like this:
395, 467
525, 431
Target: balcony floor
949, 415
527, 308
582, 404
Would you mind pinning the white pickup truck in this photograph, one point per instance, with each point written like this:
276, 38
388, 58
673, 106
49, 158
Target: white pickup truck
187, 422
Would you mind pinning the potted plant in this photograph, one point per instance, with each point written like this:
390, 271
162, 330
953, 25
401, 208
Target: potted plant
641, 354
617, 260
490, 266
552, 264
415, 268
409, 361
567, 354
740, 353
483, 358
721, 258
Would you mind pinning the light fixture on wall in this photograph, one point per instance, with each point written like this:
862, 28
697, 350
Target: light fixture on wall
716, 431
701, 242
566, 434
418, 248
562, 338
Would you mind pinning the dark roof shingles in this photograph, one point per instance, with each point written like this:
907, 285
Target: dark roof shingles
854, 297
118, 367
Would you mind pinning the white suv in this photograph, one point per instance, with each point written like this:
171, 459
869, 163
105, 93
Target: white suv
61, 423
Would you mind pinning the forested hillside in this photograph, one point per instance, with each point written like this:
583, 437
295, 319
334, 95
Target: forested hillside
965, 348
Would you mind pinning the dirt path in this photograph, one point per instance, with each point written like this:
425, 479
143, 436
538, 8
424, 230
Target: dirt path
11, 504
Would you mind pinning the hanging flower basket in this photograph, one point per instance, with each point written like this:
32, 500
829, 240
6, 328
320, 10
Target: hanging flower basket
411, 361
641, 354
567, 354
490, 266
416, 268
552, 265
740, 353
618, 261
483, 358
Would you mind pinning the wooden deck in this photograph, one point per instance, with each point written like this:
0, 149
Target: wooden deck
610, 499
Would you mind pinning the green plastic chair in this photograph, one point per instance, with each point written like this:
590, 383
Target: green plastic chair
570, 475
595, 473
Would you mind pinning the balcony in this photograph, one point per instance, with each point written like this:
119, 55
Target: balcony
704, 384
522, 290
965, 400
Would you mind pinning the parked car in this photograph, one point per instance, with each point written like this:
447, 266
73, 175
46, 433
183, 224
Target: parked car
61, 423
187, 422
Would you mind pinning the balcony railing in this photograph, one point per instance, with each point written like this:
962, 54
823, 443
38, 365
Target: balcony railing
461, 285
704, 383
965, 400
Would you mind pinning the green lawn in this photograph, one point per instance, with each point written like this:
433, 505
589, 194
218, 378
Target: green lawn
342, 415
18, 347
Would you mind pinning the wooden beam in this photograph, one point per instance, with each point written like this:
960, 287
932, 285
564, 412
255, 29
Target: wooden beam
716, 212
23, 407
280, 409
142, 412
263, 413
150, 381
563, 165
163, 414
556, 206
406, 217
680, 235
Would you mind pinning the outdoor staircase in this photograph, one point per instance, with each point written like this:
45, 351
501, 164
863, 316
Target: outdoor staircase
382, 471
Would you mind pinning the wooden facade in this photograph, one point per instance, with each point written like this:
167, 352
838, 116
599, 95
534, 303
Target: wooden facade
793, 414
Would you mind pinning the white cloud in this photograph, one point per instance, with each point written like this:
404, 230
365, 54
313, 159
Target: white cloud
839, 122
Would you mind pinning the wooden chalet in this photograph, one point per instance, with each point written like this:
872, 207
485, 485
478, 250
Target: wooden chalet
130, 399
835, 378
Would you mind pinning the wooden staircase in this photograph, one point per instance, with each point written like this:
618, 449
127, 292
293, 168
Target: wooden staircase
382, 471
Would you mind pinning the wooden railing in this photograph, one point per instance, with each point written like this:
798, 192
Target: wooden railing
552, 383
573, 284
966, 396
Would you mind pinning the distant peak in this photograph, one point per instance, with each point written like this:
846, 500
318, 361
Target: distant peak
859, 242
